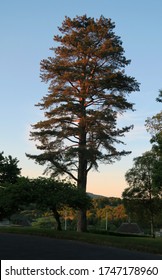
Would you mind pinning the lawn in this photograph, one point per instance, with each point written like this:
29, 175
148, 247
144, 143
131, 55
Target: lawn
144, 244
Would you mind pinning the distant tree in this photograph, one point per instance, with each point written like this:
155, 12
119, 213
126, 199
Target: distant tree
88, 89
9, 170
101, 202
106, 212
142, 195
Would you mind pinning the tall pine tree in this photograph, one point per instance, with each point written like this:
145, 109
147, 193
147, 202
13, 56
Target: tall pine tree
87, 90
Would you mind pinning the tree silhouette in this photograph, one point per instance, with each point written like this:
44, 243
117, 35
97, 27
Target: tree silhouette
9, 170
143, 195
87, 91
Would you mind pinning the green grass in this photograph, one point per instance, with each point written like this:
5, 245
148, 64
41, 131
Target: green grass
144, 244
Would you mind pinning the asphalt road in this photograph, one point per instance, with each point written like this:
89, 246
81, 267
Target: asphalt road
27, 247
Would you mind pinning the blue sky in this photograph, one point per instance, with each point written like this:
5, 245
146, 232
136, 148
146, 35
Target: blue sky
26, 31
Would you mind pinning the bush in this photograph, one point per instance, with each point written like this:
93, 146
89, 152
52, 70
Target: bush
20, 219
45, 222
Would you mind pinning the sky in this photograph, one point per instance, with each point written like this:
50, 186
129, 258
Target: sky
26, 35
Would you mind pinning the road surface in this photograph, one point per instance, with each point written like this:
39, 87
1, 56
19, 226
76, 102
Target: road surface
28, 247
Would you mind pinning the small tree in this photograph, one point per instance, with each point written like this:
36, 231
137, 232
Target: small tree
143, 195
9, 170
13, 197
88, 89
52, 195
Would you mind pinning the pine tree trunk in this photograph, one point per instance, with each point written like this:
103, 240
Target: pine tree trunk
82, 171
82, 182
82, 167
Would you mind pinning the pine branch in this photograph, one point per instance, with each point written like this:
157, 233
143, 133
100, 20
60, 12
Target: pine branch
64, 170
73, 141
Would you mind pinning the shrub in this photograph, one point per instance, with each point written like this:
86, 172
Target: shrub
45, 222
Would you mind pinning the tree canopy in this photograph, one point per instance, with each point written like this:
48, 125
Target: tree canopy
87, 90
9, 170
14, 196
154, 123
55, 195
143, 196
44, 193
154, 126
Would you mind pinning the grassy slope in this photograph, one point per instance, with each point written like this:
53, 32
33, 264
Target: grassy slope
145, 244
